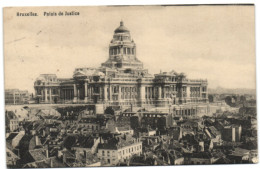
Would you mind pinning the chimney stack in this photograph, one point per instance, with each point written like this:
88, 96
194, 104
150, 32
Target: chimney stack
47, 152
51, 164
37, 141
64, 157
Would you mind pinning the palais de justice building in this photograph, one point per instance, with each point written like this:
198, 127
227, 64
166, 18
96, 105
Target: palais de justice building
121, 80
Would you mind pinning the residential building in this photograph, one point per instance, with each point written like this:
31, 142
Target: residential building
119, 149
16, 96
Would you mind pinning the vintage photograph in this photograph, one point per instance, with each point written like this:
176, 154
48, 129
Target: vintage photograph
130, 85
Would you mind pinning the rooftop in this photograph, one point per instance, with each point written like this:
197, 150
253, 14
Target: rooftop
122, 28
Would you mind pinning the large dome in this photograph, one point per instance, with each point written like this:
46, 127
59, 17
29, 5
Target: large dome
121, 28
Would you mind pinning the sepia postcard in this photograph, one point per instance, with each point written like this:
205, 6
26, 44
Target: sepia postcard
130, 85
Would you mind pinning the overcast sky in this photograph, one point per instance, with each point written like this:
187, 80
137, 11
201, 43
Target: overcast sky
208, 42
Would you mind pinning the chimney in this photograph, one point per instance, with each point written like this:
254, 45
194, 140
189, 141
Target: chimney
18, 153
47, 152
51, 164
37, 141
64, 157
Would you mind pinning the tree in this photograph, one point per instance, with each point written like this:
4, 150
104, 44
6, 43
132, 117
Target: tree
242, 99
211, 98
110, 111
229, 100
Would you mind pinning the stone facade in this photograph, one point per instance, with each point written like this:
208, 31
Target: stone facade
121, 80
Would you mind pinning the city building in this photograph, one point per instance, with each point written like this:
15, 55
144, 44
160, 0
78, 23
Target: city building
119, 149
15, 96
121, 80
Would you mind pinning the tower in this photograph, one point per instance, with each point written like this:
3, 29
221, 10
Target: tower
122, 50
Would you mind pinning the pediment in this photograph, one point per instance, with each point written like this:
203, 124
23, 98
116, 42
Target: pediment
79, 74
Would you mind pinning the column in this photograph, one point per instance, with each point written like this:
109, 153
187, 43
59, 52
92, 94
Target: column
159, 92
86, 92
154, 92
78, 94
206, 90
163, 92
110, 92
100, 93
188, 92
200, 91
42, 94
50, 95
105, 93
46, 98
64, 94
181, 94
90, 93
121, 50
119, 93
14, 97
142, 93
75, 93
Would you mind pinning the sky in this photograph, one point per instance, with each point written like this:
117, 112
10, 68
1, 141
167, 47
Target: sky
216, 43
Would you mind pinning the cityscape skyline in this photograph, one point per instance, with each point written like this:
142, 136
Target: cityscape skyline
173, 43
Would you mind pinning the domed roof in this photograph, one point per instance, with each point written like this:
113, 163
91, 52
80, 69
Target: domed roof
121, 28
41, 79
